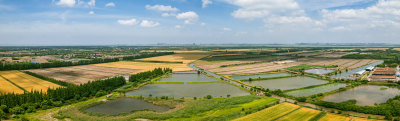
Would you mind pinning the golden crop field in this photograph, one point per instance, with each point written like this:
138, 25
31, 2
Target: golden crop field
185, 58
27, 82
145, 66
303, 114
270, 113
7, 87
336, 117
177, 51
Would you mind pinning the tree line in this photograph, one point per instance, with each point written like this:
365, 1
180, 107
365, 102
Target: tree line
36, 100
146, 76
30, 102
28, 65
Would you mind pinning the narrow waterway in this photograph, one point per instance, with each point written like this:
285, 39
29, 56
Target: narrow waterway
283, 99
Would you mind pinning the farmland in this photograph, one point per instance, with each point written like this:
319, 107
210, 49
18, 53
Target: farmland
255, 66
82, 74
271, 113
7, 87
292, 112
25, 81
156, 62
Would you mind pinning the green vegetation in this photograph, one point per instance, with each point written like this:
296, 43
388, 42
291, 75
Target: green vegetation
391, 58
29, 102
200, 109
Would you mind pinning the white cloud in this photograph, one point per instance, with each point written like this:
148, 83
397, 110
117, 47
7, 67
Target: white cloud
227, 29
202, 24
129, 22
382, 14
251, 9
91, 12
205, 3
110, 4
67, 3
168, 14
189, 17
162, 8
146, 23
92, 3
178, 27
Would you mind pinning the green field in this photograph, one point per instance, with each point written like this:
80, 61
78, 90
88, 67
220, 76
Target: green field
303, 114
271, 113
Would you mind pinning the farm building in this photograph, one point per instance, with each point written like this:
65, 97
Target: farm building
370, 68
384, 74
360, 73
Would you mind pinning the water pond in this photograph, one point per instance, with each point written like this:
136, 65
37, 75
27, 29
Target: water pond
319, 71
365, 95
186, 72
187, 78
288, 83
260, 76
189, 90
315, 90
125, 105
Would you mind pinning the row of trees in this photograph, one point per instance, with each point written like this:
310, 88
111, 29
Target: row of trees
145, 76
29, 102
27, 65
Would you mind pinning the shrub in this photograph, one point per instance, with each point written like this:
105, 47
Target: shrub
17, 110
101, 93
208, 97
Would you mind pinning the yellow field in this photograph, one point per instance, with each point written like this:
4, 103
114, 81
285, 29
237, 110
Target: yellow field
336, 117
270, 113
145, 66
185, 58
27, 82
303, 114
7, 87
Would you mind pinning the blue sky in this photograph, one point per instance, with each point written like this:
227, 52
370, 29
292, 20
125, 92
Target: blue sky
134, 22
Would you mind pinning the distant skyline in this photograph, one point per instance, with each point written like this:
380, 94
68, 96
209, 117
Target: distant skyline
143, 22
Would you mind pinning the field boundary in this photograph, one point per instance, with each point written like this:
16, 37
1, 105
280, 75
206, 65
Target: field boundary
13, 83
288, 113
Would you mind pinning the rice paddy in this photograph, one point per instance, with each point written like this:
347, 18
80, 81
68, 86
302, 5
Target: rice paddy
7, 87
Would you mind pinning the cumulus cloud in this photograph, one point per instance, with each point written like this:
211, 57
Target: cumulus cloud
129, 22
168, 14
205, 3
66, 3
162, 8
147, 23
251, 9
92, 3
91, 12
189, 17
110, 4
382, 14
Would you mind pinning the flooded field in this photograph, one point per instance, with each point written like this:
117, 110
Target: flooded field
288, 83
365, 95
186, 72
315, 90
319, 71
187, 78
125, 105
189, 90
260, 76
